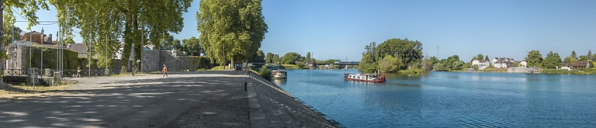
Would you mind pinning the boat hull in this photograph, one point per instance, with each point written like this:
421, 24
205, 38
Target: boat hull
370, 81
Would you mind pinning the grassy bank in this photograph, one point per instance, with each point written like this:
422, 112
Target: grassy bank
412, 71
494, 70
570, 72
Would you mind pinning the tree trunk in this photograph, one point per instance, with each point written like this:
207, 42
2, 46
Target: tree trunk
1, 36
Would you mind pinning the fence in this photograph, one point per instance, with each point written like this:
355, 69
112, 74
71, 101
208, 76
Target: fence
50, 72
524, 69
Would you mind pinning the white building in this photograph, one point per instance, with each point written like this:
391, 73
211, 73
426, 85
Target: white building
481, 64
523, 63
503, 62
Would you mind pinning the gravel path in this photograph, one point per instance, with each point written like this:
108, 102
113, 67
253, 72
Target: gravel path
204, 99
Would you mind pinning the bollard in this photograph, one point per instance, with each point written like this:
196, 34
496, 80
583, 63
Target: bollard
245, 86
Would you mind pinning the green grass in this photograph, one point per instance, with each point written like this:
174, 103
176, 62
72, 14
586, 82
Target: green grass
290, 66
412, 71
570, 72
494, 70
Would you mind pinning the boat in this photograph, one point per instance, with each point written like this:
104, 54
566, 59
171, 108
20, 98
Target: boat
364, 77
279, 74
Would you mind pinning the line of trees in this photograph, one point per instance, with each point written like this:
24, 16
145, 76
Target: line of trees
294, 58
553, 60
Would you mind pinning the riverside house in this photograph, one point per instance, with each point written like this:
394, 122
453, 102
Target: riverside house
503, 62
579, 65
481, 64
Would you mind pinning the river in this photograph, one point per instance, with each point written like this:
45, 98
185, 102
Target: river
449, 99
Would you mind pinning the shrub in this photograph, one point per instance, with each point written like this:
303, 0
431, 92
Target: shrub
265, 73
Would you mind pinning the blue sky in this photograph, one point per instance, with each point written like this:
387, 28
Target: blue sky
339, 29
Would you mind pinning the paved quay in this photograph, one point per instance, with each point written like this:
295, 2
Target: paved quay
188, 99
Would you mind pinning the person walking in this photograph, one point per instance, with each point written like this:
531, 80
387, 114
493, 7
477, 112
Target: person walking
165, 71
79, 71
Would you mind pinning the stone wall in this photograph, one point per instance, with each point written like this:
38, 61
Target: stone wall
175, 61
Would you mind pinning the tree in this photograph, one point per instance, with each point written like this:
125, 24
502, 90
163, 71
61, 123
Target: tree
269, 58
534, 59
193, 47
569, 59
230, 29
105, 20
28, 10
583, 58
308, 57
176, 45
389, 64
573, 54
590, 55
552, 60
407, 51
486, 58
290, 58
480, 57
474, 58
276, 59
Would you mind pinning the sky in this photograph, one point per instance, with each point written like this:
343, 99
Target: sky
340, 29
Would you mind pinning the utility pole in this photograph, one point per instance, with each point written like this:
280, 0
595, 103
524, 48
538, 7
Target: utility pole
41, 58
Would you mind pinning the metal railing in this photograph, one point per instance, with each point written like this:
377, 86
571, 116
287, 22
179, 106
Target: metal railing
50, 73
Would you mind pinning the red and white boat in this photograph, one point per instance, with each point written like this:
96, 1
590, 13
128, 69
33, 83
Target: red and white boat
364, 78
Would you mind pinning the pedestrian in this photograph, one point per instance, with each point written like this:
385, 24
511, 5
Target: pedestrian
79, 71
165, 71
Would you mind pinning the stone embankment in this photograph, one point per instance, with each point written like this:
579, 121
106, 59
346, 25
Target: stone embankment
270, 106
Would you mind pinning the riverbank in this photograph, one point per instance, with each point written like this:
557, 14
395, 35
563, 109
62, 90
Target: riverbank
184, 99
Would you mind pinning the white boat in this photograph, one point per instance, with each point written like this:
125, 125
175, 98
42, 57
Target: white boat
364, 78
279, 74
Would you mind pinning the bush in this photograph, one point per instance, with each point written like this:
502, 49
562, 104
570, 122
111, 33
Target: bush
265, 73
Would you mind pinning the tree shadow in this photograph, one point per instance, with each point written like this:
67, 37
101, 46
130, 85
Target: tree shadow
171, 102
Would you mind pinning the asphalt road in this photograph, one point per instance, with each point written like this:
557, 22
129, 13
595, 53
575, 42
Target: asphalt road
203, 99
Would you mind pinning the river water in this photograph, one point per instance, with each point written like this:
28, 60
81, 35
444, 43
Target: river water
449, 99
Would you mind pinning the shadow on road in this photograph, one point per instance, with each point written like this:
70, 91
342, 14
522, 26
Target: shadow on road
148, 102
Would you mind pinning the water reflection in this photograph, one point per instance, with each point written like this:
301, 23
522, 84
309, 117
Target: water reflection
280, 81
449, 99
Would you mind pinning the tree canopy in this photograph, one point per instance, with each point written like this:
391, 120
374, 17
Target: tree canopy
291, 58
230, 27
193, 46
409, 52
104, 20
552, 60
534, 59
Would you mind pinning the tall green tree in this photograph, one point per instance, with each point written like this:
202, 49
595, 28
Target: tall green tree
534, 59
480, 57
552, 60
589, 55
408, 51
486, 58
131, 20
569, 59
269, 58
276, 59
583, 58
176, 45
230, 27
573, 54
291, 58
308, 57
193, 46
28, 9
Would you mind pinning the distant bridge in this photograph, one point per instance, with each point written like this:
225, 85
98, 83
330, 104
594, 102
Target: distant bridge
347, 63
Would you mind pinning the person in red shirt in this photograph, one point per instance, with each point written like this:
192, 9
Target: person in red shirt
165, 71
